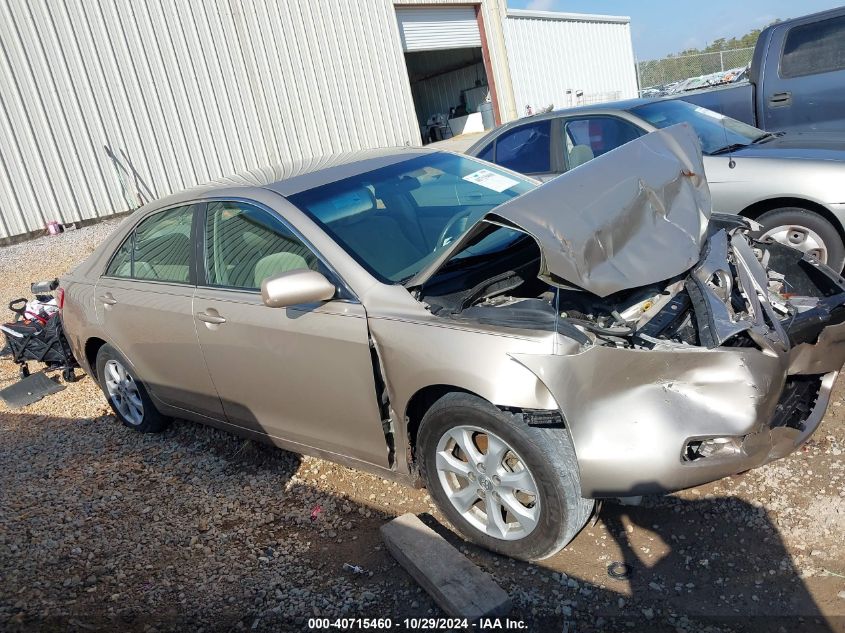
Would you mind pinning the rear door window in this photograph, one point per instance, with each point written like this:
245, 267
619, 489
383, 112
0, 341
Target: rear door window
486, 153
159, 249
810, 49
586, 138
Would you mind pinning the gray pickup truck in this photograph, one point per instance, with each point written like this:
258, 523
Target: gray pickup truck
796, 80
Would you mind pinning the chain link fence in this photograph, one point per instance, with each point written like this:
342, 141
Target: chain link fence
686, 72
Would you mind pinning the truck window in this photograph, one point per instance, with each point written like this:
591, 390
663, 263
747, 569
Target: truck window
818, 47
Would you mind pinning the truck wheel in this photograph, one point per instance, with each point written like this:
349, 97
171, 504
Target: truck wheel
805, 231
503, 484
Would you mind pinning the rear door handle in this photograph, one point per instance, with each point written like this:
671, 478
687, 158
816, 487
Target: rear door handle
216, 319
108, 299
780, 99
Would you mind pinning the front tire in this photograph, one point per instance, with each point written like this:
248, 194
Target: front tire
805, 231
126, 394
503, 484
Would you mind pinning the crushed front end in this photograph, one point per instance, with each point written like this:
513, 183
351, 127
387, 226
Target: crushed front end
684, 350
713, 372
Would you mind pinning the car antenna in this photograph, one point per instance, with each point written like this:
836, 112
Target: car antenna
731, 161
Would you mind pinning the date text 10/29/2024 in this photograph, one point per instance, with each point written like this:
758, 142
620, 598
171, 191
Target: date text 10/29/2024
417, 624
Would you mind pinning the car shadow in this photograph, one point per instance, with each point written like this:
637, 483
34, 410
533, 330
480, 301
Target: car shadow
713, 564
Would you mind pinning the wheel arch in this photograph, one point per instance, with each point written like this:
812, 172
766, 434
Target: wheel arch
755, 210
419, 404
92, 347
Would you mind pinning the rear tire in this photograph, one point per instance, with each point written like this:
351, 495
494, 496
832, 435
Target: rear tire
528, 476
805, 231
126, 394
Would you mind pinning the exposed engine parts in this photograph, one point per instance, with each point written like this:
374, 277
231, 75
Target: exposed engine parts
722, 301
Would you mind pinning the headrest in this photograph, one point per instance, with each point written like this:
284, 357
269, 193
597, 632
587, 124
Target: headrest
276, 264
344, 205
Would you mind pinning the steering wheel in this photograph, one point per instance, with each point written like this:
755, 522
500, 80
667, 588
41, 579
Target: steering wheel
446, 236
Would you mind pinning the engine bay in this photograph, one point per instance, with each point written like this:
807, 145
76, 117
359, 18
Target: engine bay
716, 303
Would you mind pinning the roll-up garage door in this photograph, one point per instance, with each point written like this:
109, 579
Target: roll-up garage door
432, 29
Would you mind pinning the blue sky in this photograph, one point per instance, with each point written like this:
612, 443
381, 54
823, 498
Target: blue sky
659, 27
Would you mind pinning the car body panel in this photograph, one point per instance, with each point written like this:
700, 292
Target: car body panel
152, 325
649, 404
615, 222
264, 360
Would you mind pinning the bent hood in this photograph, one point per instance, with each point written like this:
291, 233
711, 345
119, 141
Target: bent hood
633, 216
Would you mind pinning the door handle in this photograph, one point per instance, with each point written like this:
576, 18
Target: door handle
216, 319
780, 99
108, 299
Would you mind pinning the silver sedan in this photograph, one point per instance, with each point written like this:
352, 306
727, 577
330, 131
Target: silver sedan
793, 184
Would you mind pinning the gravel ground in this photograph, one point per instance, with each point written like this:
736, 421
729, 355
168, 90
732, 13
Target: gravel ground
102, 528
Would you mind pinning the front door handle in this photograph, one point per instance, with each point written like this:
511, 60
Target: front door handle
780, 99
108, 299
216, 319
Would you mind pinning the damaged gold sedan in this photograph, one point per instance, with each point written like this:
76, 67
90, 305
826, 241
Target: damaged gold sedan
520, 350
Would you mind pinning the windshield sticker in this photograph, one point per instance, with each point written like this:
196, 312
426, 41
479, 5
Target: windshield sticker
709, 113
491, 180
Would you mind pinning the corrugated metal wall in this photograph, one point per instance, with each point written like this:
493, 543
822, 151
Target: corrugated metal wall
108, 101
550, 54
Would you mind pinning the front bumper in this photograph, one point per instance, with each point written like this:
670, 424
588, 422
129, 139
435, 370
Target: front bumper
633, 414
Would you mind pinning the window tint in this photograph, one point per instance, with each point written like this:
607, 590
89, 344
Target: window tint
121, 263
584, 139
159, 249
526, 149
814, 48
245, 245
486, 153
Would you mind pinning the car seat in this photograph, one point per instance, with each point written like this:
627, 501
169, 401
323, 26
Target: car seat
580, 154
276, 264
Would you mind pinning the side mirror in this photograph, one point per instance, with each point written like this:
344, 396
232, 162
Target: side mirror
296, 287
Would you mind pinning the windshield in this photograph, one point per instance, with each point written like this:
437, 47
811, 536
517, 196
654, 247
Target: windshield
715, 131
396, 219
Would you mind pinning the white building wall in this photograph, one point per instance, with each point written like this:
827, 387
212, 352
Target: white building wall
183, 92
551, 53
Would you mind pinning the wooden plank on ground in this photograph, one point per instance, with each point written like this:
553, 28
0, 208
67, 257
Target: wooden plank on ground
460, 588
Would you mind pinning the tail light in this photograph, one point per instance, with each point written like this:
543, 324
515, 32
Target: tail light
60, 298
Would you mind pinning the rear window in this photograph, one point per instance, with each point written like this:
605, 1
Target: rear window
810, 49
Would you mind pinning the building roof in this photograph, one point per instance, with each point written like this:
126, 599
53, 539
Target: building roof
570, 17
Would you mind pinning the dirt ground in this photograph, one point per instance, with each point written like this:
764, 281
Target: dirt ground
102, 528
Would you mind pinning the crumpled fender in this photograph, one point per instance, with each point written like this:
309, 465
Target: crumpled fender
631, 411
827, 354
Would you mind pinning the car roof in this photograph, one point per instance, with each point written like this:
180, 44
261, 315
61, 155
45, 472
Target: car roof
291, 177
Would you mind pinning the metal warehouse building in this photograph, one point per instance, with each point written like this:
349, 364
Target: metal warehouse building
569, 59
106, 104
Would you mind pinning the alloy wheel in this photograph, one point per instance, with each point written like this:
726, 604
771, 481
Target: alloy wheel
488, 483
123, 391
